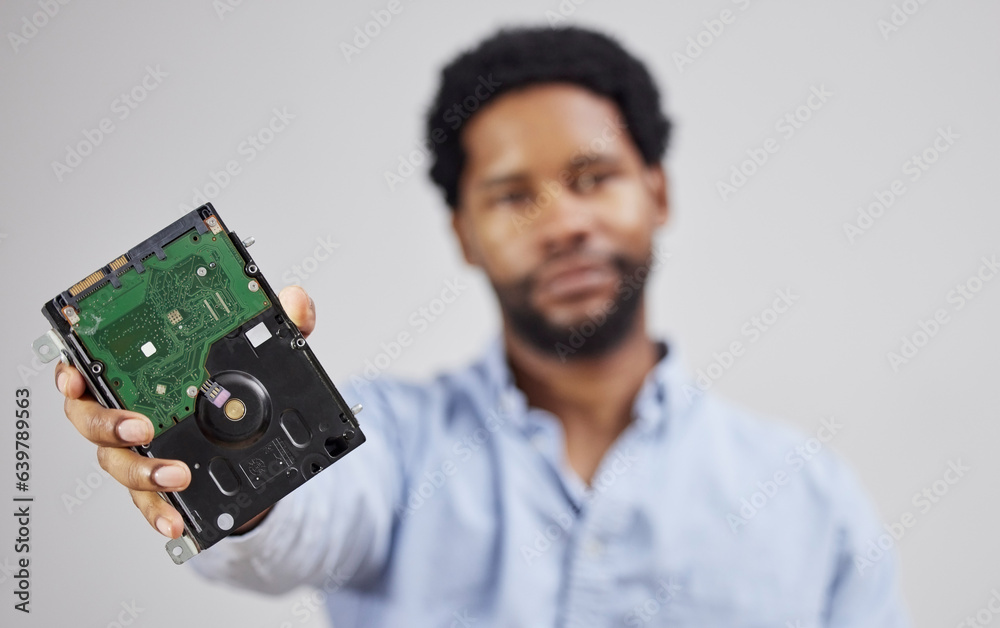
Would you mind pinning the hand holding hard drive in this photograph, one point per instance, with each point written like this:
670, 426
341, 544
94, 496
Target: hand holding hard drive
195, 381
114, 431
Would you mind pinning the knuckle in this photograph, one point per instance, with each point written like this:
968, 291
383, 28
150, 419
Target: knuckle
148, 508
145, 505
95, 426
137, 475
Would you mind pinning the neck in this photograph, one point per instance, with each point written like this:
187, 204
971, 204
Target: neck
595, 392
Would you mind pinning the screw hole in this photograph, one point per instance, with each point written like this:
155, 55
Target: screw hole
336, 445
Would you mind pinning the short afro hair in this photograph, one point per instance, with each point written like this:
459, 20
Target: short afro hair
519, 57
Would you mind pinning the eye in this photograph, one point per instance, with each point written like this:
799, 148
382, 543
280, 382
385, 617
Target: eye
512, 198
588, 180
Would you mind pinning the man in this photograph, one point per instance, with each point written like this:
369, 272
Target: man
575, 475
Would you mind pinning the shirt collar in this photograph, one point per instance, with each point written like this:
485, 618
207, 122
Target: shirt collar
665, 395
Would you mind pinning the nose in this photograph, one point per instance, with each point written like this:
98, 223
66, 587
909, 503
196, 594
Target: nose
565, 221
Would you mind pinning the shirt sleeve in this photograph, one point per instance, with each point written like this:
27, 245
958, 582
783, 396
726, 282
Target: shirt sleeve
332, 531
865, 587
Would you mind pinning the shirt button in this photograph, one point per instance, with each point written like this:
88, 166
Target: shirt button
507, 402
593, 548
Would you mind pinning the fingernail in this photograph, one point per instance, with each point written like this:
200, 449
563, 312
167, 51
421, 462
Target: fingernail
134, 431
163, 526
169, 476
61, 382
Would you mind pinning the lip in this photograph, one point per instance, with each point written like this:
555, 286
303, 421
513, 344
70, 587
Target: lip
576, 279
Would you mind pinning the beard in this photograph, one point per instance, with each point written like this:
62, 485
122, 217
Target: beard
594, 334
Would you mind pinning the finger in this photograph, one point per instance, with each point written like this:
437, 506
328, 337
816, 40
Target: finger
159, 513
69, 381
142, 473
105, 426
299, 307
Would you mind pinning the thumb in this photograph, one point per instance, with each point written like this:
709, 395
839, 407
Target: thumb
299, 307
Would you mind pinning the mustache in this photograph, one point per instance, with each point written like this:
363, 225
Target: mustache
554, 263
530, 323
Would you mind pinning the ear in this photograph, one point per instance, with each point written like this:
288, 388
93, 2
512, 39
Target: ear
656, 181
460, 225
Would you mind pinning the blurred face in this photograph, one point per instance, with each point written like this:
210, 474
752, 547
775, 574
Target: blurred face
559, 210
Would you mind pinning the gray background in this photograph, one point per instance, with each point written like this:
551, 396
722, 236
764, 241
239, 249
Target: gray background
323, 177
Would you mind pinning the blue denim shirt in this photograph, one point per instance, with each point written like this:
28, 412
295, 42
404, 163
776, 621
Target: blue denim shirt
462, 510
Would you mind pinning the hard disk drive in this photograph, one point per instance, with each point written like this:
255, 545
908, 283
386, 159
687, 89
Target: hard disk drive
185, 329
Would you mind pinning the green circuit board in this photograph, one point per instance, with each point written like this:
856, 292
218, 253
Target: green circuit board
153, 333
